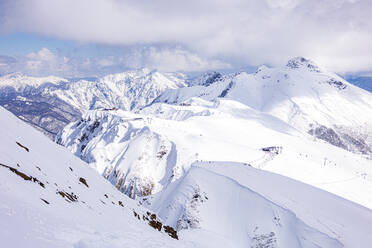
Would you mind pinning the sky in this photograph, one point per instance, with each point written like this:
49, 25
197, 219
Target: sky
95, 37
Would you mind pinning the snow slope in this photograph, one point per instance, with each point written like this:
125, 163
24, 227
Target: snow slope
210, 189
50, 198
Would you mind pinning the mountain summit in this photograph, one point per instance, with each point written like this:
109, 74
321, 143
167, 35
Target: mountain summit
301, 62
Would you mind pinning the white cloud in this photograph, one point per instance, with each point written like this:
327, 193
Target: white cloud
337, 33
43, 62
43, 54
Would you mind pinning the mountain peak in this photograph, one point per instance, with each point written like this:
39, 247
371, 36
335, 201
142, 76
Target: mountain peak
206, 79
301, 62
261, 68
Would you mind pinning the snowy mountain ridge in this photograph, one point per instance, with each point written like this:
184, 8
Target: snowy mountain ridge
50, 103
20, 82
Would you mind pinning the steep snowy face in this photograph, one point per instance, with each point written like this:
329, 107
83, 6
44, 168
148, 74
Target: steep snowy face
51, 103
301, 94
122, 148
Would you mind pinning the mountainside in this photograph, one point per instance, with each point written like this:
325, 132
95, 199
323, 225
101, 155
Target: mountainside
53, 199
50, 103
126, 152
50, 198
301, 94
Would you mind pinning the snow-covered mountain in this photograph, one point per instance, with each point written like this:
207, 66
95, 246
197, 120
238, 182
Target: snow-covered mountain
302, 95
50, 103
20, 82
50, 198
257, 119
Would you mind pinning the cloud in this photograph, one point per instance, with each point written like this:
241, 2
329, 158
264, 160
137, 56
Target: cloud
46, 62
6, 62
43, 54
335, 33
42, 62
171, 59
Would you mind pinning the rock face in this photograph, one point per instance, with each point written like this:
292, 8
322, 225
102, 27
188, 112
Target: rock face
300, 62
51, 103
352, 140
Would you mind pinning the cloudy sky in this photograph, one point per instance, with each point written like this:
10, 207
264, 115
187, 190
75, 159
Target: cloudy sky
91, 37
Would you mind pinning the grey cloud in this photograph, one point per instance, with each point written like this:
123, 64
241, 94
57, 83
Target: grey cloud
335, 33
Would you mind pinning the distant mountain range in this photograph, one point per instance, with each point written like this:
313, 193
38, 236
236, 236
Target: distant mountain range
50, 103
